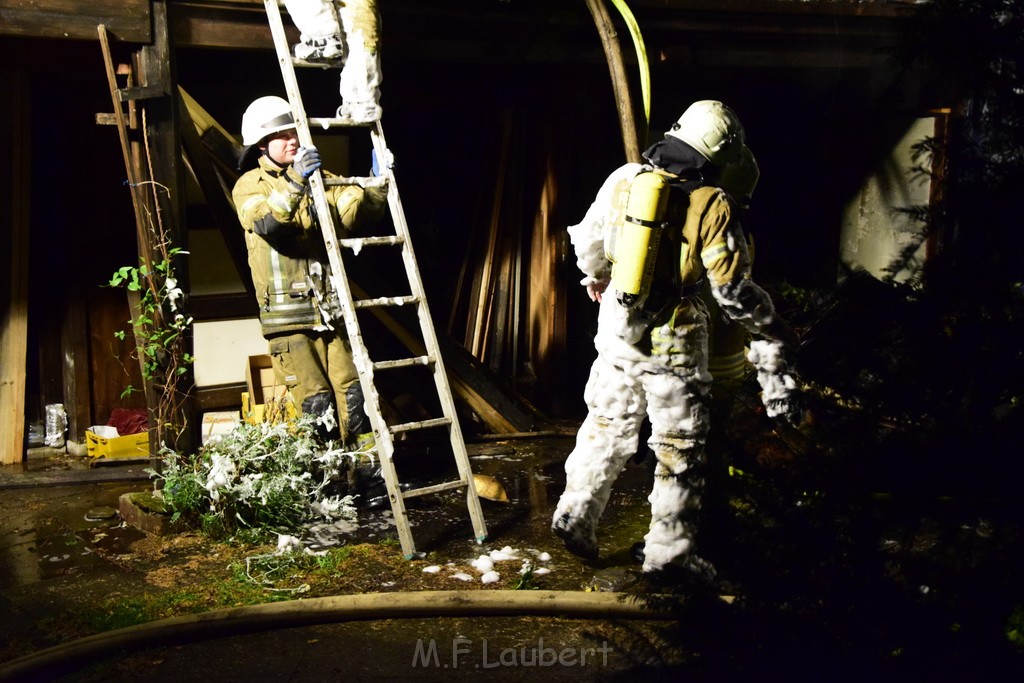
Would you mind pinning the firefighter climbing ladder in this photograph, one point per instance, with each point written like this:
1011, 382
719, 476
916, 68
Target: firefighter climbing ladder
383, 432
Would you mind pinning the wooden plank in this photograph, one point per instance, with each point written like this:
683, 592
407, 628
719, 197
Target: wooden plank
480, 314
481, 391
122, 132
14, 219
547, 308
111, 364
75, 365
127, 20
892, 8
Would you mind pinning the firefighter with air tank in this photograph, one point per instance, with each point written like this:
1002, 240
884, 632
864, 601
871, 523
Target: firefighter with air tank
655, 235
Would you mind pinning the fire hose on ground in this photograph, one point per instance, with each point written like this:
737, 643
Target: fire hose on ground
338, 609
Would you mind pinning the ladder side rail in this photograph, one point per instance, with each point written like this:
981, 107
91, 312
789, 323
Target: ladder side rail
371, 399
430, 340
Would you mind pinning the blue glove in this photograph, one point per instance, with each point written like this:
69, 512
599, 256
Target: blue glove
378, 166
306, 161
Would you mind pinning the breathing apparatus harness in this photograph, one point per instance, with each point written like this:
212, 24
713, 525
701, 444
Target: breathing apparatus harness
633, 249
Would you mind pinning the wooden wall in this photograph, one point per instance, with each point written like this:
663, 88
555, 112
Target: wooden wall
14, 261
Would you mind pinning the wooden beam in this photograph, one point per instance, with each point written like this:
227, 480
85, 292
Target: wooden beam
127, 20
14, 229
123, 124
888, 9
480, 314
546, 342
234, 25
620, 83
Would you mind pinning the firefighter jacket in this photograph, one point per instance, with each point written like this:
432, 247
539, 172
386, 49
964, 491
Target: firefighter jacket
287, 257
702, 240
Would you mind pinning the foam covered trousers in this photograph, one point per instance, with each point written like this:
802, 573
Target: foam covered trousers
670, 386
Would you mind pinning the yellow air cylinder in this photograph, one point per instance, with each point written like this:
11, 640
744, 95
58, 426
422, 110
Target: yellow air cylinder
636, 246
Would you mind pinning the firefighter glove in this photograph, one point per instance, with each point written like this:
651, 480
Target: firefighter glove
378, 165
306, 161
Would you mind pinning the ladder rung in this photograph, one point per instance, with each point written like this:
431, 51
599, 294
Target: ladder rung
326, 123
385, 301
436, 488
357, 243
402, 363
361, 181
425, 424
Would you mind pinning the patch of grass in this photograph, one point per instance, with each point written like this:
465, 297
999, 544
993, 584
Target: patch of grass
231, 591
334, 559
270, 578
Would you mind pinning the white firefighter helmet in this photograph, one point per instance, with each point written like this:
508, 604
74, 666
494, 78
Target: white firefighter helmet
265, 116
740, 177
711, 128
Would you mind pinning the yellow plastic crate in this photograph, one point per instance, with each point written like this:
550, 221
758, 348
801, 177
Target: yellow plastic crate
129, 446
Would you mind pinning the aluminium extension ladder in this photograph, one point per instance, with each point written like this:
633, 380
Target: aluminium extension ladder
383, 433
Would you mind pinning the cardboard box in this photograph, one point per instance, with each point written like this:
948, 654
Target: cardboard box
260, 380
129, 446
262, 385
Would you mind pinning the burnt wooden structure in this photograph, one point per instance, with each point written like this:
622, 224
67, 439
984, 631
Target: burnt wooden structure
506, 122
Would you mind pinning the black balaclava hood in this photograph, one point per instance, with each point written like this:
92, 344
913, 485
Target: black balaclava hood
678, 158
249, 158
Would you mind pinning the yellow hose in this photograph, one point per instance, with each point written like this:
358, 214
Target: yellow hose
641, 57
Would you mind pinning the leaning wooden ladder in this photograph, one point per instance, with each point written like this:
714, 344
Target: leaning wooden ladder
383, 433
